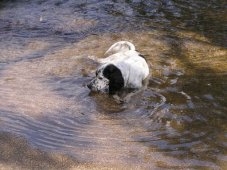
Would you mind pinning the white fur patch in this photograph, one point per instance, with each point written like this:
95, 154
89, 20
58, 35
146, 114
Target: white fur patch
133, 67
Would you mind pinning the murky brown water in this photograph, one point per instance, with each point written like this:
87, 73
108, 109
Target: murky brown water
179, 122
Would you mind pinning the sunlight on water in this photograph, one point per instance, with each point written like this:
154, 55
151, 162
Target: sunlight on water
178, 122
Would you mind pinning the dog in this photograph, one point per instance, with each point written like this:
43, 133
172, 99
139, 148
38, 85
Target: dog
124, 68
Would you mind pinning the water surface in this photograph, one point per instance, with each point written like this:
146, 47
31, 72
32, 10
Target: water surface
179, 122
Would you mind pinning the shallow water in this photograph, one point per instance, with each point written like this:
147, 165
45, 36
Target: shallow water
178, 122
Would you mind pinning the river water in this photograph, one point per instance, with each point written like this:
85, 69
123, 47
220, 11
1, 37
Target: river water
179, 122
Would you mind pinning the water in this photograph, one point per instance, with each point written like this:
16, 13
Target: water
179, 122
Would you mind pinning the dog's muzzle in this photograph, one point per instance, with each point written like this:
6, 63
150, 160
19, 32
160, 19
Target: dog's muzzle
98, 86
89, 86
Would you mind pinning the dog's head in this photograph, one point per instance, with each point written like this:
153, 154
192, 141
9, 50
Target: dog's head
108, 79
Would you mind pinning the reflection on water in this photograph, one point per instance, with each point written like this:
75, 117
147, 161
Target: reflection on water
178, 122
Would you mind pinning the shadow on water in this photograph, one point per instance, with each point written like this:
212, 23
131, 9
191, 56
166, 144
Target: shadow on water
204, 118
207, 19
45, 99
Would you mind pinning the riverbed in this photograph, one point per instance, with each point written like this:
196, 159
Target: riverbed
48, 117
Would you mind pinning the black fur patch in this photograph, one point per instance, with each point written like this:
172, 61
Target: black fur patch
115, 77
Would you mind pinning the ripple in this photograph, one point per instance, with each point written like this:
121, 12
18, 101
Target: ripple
178, 122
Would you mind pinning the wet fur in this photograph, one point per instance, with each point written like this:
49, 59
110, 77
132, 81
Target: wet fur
124, 69
116, 81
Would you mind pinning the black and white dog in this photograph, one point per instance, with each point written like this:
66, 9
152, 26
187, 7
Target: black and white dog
125, 68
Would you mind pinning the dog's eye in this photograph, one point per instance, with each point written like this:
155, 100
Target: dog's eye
100, 78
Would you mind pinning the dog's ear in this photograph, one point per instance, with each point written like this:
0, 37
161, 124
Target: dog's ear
116, 80
109, 70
